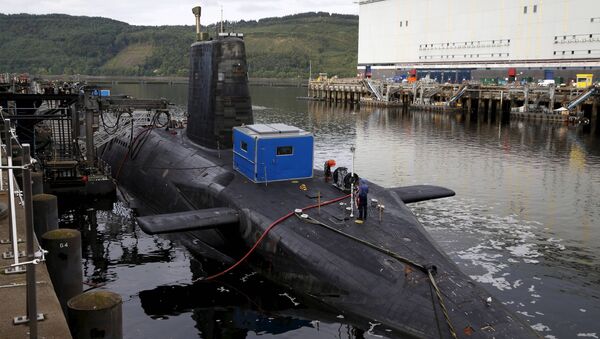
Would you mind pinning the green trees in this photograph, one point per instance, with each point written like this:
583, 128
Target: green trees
276, 47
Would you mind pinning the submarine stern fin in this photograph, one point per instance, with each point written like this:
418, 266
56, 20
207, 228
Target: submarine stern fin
188, 221
417, 193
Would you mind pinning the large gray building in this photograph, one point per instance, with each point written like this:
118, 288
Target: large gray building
482, 37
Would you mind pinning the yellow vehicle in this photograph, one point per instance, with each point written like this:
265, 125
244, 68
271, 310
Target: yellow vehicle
322, 77
584, 80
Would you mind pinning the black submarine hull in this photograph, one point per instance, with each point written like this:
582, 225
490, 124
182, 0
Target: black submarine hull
386, 273
173, 174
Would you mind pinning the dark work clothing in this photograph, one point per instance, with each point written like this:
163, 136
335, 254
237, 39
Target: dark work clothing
362, 212
363, 191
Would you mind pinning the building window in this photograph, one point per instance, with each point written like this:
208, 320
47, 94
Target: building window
400, 23
534, 8
285, 150
525, 10
589, 51
572, 52
244, 146
554, 52
406, 23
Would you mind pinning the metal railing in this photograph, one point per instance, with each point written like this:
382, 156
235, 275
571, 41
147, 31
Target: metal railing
32, 257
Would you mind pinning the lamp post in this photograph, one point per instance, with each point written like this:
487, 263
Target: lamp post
352, 149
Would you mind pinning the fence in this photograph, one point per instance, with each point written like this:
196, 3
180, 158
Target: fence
24, 197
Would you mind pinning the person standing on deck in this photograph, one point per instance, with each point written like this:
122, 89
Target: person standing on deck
327, 169
363, 191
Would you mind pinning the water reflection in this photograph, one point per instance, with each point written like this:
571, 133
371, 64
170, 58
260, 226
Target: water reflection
159, 282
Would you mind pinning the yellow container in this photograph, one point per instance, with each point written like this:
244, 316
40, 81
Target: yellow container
584, 80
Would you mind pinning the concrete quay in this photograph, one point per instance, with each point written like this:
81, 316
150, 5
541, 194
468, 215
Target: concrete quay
13, 290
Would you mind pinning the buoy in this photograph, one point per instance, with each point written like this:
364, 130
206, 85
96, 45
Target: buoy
96, 314
64, 263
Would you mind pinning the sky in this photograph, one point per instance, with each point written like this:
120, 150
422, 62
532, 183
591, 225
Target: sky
177, 12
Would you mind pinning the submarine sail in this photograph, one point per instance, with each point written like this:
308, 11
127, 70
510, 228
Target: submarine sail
218, 94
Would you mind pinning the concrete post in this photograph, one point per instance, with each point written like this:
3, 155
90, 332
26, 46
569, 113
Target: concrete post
37, 181
526, 96
64, 263
96, 314
45, 213
595, 107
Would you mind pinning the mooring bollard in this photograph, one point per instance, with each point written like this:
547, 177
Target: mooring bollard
64, 263
37, 182
45, 213
96, 314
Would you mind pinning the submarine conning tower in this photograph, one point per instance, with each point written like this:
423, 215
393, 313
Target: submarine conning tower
218, 95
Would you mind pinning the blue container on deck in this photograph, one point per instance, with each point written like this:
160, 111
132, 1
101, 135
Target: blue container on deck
272, 152
548, 74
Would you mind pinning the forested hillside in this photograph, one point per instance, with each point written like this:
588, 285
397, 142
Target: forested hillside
276, 47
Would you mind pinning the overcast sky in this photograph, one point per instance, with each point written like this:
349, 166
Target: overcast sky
176, 12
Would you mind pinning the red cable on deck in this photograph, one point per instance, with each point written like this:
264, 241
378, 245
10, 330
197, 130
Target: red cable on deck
275, 223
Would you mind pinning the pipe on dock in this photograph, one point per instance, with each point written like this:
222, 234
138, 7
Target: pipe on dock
96, 314
45, 213
64, 263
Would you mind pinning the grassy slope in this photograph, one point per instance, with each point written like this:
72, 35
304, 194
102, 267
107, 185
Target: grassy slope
134, 55
276, 47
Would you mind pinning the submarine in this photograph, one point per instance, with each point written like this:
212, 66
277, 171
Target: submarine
246, 193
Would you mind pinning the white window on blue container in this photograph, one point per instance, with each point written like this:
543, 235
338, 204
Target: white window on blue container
244, 146
285, 150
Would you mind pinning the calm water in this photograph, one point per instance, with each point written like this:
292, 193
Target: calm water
525, 223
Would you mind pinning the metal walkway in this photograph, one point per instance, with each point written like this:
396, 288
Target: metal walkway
373, 89
591, 90
457, 96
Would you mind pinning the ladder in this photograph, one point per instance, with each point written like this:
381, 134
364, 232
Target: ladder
373, 89
62, 142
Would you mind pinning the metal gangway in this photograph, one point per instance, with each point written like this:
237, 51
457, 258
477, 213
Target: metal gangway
117, 125
581, 98
62, 139
373, 89
457, 96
